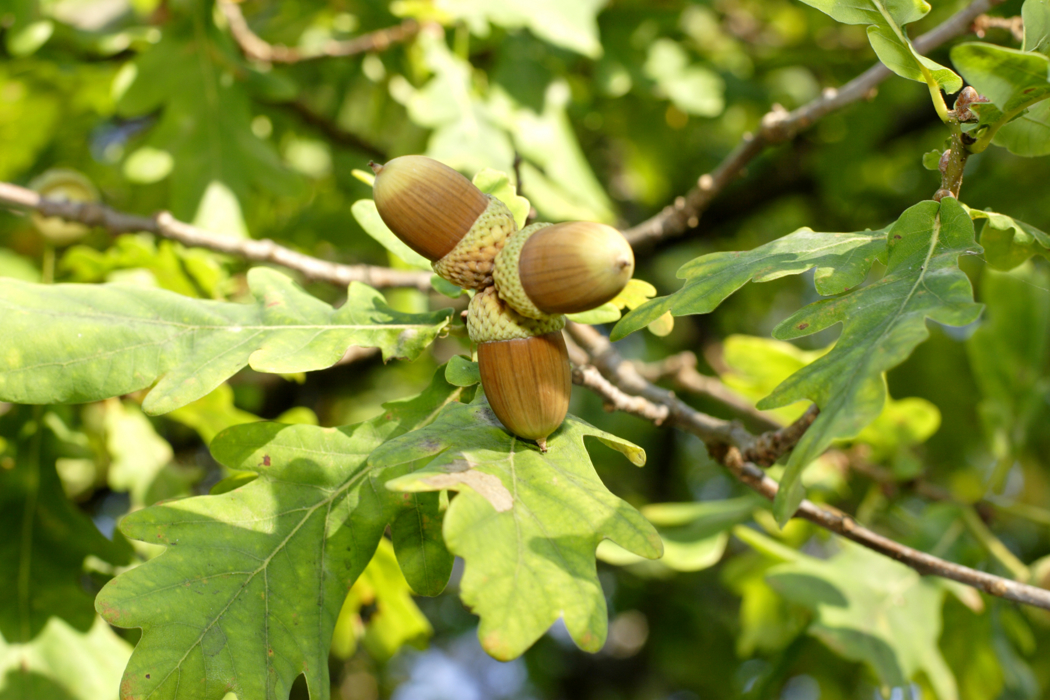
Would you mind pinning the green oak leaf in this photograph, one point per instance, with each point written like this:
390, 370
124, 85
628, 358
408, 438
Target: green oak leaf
63, 663
461, 371
1029, 134
527, 523
191, 78
572, 25
395, 621
842, 261
1008, 242
46, 537
75, 343
886, 20
882, 324
245, 597
1036, 16
871, 609
1008, 355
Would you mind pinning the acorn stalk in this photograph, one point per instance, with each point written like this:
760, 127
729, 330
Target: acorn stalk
442, 216
563, 268
524, 366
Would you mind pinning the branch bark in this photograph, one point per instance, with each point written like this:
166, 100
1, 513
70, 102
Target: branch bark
735, 449
256, 48
778, 126
165, 225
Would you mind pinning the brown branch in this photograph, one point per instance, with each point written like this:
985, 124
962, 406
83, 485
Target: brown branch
165, 225
778, 126
1015, 25
733, 448
256, 48
681, 370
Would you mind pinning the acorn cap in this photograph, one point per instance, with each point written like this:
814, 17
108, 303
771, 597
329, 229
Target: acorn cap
489, 319
564, 268
471, 262
427, 204
528, 383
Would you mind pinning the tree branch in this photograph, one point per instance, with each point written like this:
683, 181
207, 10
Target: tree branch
779, 125
256, 48
734, 448
165, 225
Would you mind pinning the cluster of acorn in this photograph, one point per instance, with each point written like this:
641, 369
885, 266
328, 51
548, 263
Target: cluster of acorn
526, 280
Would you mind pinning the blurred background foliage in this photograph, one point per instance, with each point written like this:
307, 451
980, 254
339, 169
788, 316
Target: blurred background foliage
608, 110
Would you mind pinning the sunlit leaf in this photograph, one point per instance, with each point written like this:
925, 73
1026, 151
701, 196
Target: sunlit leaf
225, 608
87, 342
842, 261
882, 324
527, 523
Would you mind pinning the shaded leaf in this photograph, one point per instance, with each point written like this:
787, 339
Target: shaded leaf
1008, 355
842, 261
396, 621
76, 343
1008, 242
63, 663
882, 324
461, 371
246, 595
205, 124
527, 523
871, 609
46, 537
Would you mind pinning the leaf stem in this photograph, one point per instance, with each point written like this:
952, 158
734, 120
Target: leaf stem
994, 545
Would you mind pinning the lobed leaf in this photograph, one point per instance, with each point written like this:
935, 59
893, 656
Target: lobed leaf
871, 609
527, 523
886, 20
882, 324
46, 537
842, 261
74, 343
1008, 242
245, 597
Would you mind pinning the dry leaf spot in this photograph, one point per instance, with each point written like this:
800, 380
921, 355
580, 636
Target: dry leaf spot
803, 326
485, 485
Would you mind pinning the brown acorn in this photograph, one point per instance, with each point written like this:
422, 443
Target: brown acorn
563, 268
442, 216
524, 366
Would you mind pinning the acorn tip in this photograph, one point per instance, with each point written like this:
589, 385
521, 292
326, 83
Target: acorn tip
376, 167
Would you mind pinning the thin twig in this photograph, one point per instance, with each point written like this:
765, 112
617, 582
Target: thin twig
256, 48
730, 446
1015, 25
778, 126
681, 370
165, 225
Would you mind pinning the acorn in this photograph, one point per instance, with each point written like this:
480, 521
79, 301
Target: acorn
68, 186
563, 268
442, 216
524, 366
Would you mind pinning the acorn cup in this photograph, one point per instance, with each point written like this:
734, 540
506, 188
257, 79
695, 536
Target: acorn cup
524, 366
563, 268
442, 216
